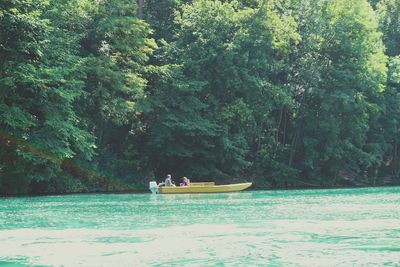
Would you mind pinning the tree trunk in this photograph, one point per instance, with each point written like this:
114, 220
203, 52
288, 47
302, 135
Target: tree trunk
140, 4
293, 148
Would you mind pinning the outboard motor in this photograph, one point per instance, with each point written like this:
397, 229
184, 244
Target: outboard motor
153, 187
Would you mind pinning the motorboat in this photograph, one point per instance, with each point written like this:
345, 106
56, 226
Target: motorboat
197, 187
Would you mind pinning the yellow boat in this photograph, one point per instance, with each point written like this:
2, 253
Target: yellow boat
203, 187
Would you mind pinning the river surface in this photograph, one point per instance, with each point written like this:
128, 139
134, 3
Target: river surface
343, 227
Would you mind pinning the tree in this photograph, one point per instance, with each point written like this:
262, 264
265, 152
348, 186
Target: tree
117, 48
40, 80
389, 16
216, 91
337, 104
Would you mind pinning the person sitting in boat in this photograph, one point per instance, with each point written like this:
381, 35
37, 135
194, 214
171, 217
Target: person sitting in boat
185, 182
168, 181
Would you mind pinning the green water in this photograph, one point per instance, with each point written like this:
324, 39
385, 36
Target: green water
344, 227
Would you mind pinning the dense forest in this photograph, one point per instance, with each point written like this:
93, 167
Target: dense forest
105, 95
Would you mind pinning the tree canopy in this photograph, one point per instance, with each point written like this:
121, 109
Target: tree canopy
107, 95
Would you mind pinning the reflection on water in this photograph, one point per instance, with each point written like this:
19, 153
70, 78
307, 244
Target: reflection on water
349, 227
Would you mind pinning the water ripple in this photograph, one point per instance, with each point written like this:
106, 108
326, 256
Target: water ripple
341, 227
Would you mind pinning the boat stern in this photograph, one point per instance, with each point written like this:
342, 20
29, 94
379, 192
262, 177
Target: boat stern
153, 187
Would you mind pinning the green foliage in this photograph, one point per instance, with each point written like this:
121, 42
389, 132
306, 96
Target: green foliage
339, 91
39, 83
280, 92
117, 48
217, 85
160, 16
389, 16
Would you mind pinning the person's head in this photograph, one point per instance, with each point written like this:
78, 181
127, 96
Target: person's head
169, 176
185, 179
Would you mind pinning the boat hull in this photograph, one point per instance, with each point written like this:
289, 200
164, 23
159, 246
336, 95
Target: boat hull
204, 189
